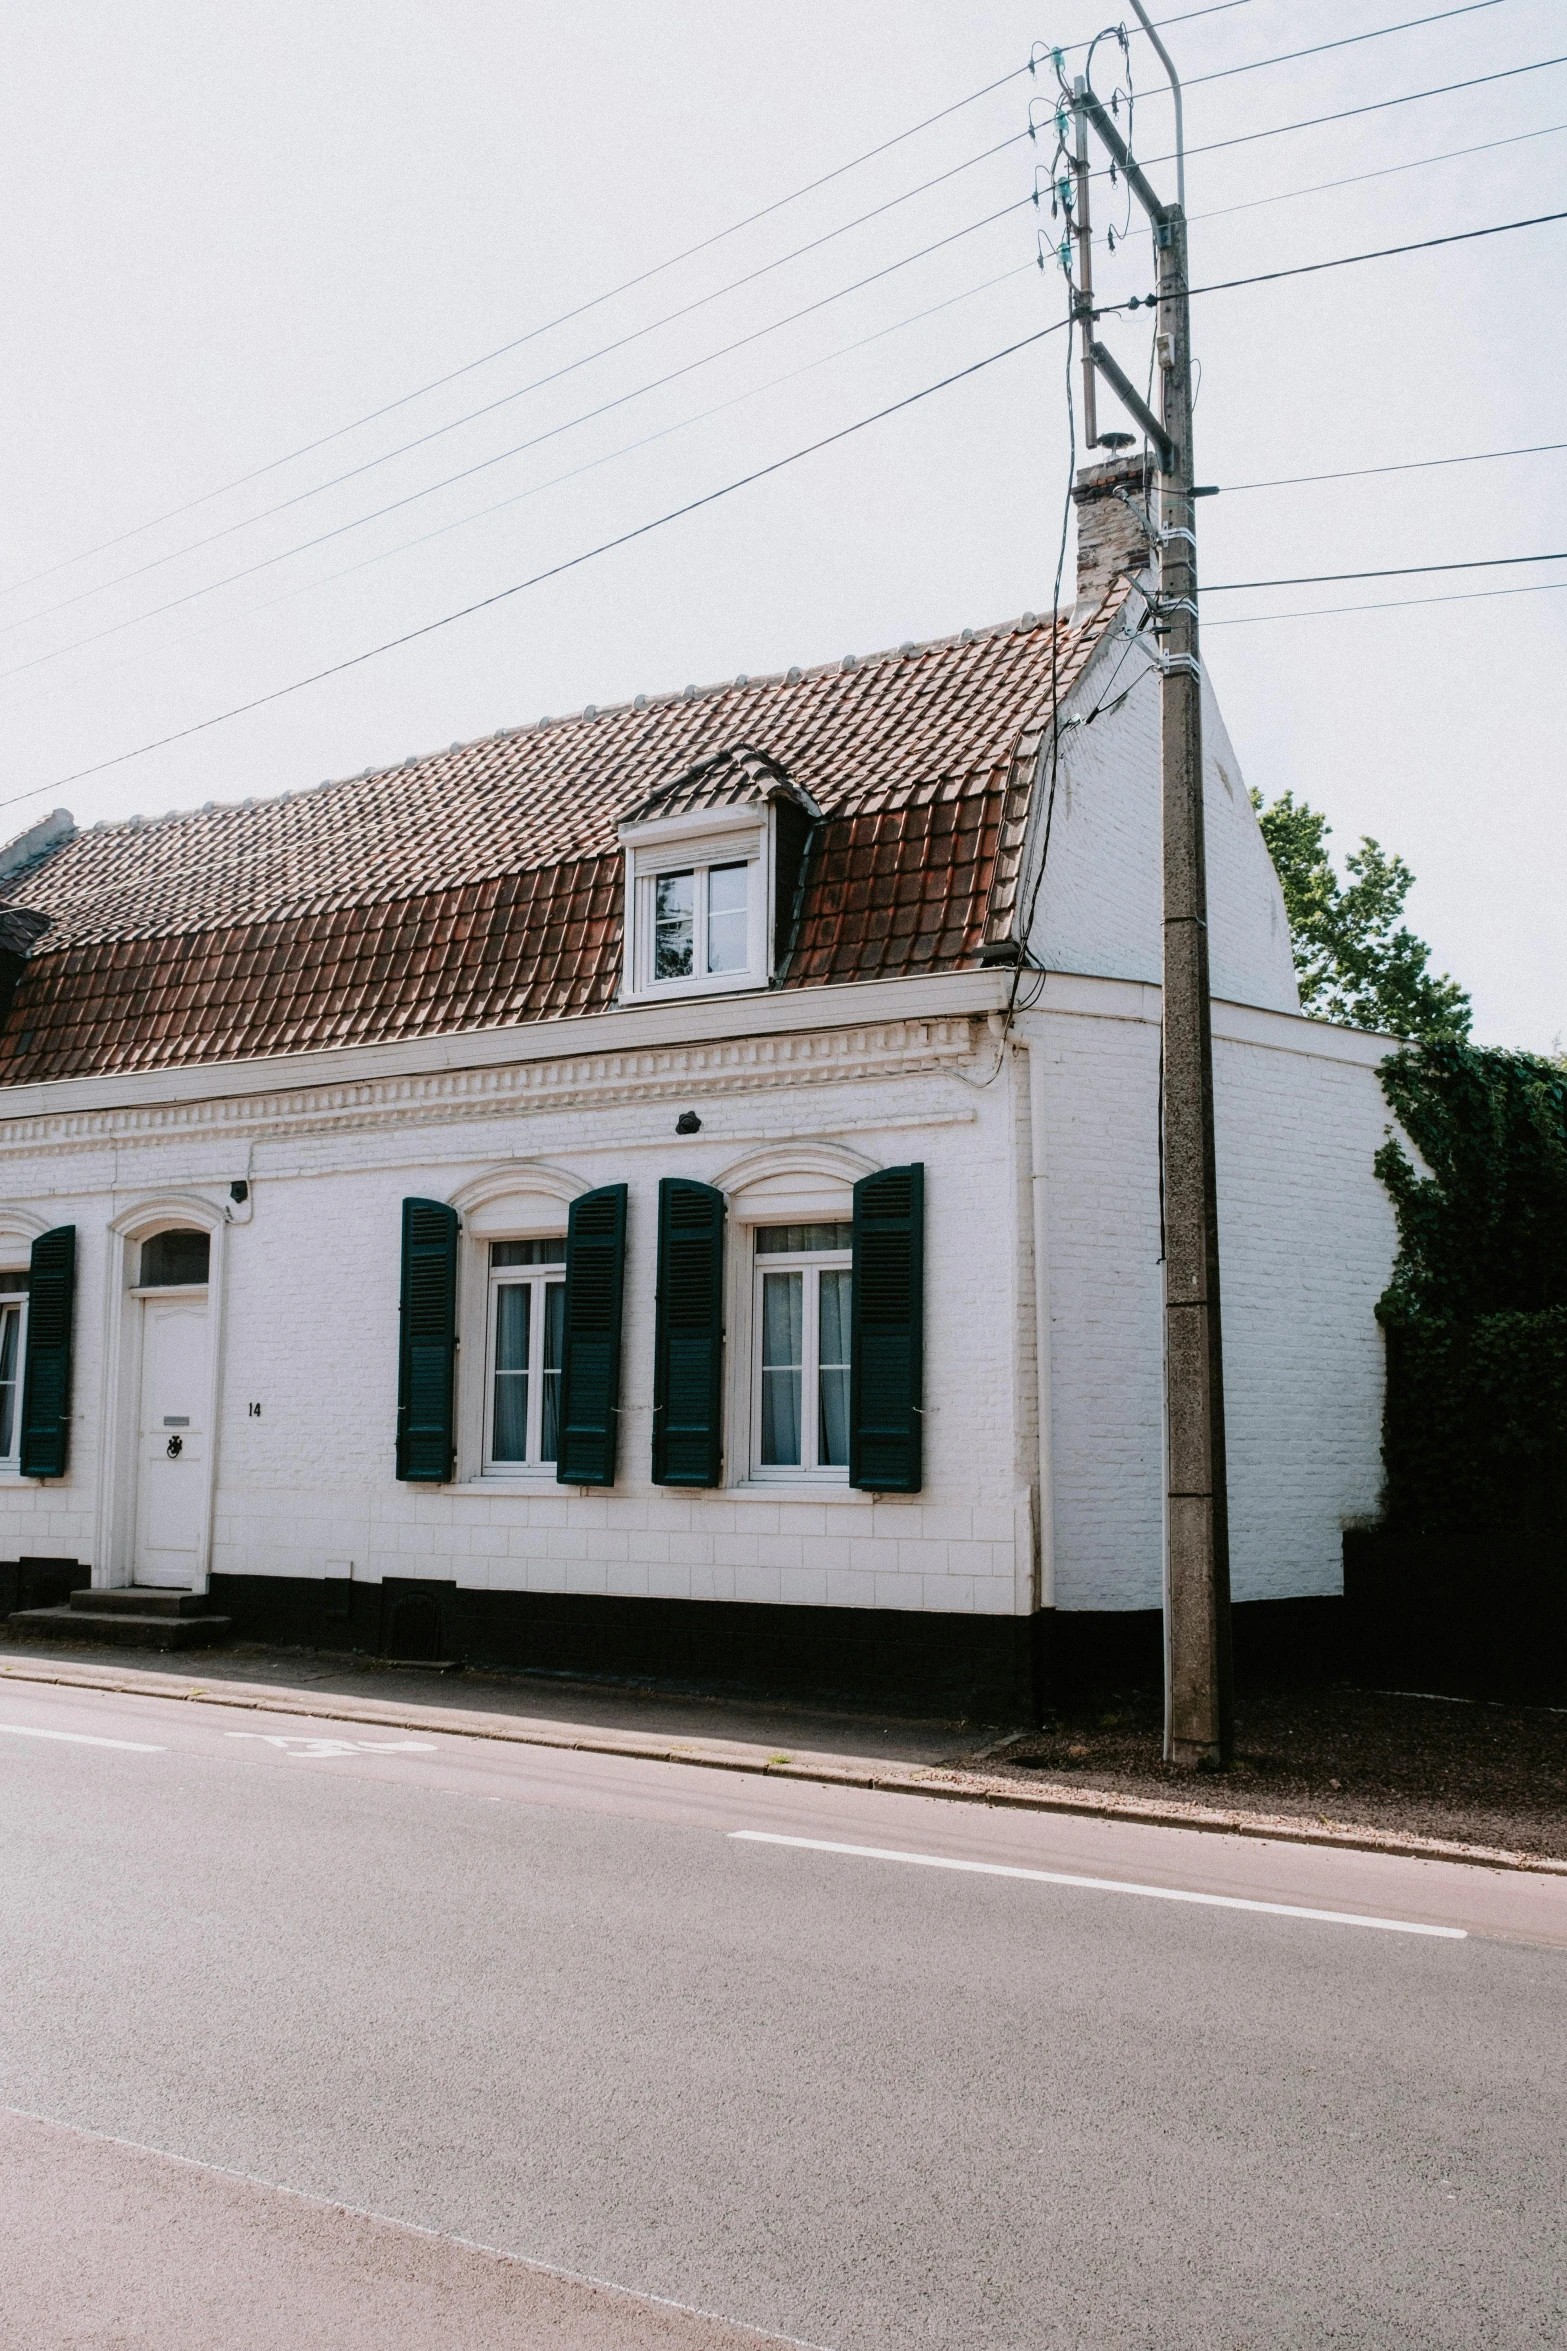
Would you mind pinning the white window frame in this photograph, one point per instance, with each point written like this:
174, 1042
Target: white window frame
537, 1278
695, 844
811, 1263
10, 1463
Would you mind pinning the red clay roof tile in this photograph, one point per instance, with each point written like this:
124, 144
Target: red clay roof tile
484, 885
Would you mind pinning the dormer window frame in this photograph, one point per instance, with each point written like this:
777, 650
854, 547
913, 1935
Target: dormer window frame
699, 841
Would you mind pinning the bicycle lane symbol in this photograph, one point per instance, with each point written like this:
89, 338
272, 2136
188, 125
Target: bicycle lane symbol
306, 1749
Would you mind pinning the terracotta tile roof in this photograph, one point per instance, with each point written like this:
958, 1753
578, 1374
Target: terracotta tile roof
482, 886
733, 778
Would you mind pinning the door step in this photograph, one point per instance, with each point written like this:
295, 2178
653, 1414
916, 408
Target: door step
139, 1600
131, 1616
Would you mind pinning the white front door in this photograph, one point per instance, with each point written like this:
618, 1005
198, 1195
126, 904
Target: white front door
171, 1477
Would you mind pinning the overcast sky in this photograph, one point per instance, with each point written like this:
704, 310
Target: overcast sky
234, 231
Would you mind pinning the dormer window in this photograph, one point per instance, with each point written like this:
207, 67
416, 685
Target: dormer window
713, 862
702, 922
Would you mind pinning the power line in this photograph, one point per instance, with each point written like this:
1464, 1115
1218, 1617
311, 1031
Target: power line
553, 571
594, 302
500, 457
1248, 620
1229, 285
241, 481
1162, 24
395, 505
1360, 473
1356, 179
627, 285
1349, 41
506, 399
580, 310
1315, 122
1306, 269
1397, 571
591, 465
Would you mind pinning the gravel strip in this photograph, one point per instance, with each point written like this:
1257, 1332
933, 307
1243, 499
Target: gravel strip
1462, 1772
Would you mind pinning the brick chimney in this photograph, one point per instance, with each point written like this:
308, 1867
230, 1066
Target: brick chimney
1110, 539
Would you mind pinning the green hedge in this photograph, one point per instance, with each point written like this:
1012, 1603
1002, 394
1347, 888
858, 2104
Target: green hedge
1475, 1426
1475, 1423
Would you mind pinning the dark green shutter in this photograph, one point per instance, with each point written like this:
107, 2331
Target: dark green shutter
688, 1345
590, 1363
427, 1352
46, 1382
887, 1331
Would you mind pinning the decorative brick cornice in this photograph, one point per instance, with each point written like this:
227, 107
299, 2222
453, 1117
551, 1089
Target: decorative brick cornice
879, 1050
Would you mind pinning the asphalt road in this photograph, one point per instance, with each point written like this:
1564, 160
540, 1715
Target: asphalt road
275, 1996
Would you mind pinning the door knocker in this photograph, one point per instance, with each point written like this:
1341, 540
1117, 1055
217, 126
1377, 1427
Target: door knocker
175, 1447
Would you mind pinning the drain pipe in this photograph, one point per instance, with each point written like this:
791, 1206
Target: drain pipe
1038, 1130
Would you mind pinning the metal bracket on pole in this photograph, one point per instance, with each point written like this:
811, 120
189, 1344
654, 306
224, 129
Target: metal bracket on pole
1136, 406
1131, 171
1167, 664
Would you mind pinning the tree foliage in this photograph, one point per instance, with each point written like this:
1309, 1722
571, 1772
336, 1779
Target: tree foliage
1356, 960
1485, 1232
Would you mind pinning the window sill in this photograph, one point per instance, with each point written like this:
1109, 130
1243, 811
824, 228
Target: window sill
542, 1481
805, 1489
681, 991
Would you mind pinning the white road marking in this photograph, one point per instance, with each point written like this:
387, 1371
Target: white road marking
305, 1749
1060, 1877
18, 1730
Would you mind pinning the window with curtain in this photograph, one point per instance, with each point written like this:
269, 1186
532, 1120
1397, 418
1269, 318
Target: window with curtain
526, 1329
801, 1350
13, 1318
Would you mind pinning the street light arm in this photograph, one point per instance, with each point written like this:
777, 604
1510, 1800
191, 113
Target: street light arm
1163, 55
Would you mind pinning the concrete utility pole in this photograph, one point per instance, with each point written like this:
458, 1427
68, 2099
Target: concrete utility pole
1199, 1710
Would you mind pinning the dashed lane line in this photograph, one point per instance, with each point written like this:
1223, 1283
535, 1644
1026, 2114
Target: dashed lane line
21, 1730
1060, 1877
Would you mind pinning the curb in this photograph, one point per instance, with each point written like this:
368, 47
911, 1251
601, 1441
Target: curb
734, 1755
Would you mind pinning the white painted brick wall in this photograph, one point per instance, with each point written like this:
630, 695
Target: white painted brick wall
311, 1302
1099, 908
1306, 1246
1307, 1239
310, 1334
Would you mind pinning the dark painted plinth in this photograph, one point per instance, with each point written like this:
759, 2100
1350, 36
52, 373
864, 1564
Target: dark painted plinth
1277, 1643
39, 1583
1480, 1614
973, 1668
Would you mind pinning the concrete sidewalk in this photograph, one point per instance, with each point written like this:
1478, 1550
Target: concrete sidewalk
111, 2243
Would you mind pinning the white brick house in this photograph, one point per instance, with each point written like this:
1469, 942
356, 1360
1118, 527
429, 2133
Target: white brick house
317, 1086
